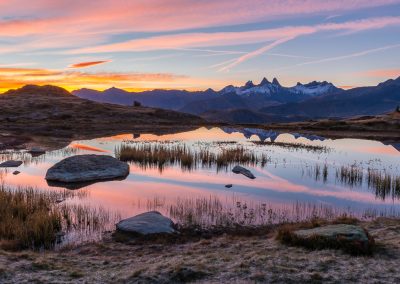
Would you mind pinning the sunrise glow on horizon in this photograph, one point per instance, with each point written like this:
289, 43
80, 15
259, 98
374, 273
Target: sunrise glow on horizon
195, 45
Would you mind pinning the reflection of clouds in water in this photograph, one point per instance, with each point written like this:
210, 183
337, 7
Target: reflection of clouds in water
281, 180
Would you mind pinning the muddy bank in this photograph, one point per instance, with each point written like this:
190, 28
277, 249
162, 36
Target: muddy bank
220, 259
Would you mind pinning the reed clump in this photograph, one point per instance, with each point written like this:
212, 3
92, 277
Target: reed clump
350, 175
161, 155
28, 218
383, 183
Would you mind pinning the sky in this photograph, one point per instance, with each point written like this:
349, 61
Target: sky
194, 45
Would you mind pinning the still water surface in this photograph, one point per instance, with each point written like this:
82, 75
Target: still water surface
288, 178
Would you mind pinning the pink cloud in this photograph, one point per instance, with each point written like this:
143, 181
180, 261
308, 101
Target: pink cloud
382, 73
105, 17
189, 40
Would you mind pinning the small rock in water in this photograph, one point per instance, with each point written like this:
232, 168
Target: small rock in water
16, 173
148, 223
228, 185
34, 151
243, 171
10, 164
84, 168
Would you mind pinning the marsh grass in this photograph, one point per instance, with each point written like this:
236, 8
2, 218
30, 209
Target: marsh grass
161, 155
384, 184
211, 212
294, 146
31, 218
350, 175
28, 218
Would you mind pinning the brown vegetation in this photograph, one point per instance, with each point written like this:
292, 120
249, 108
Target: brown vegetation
52, 111
160, 155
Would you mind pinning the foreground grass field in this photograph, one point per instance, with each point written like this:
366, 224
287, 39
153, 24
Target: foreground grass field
219, 259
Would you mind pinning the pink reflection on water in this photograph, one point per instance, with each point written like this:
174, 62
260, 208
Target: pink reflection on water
87, 148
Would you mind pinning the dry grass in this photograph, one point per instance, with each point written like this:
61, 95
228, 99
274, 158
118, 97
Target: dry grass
28, 218
163, 154
221, 259
31, 218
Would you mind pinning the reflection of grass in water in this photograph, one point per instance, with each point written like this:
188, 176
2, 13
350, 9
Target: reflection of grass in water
294, 146
32, 218
28, 159
211, 212
384, 184
161, 155
350, 175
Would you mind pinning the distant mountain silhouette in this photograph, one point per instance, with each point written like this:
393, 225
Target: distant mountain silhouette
375, 100
263, 102
248, 96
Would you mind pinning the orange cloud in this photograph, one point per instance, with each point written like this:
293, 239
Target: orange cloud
88, 63
11, 78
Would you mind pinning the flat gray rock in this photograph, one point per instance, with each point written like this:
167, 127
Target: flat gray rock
10, 164
243, 171
147, 223
86, 168
348, 232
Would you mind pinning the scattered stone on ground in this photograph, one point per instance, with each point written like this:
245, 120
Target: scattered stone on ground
10, 164
147, 223
243, 171
228, 185
348, 237
16, 173
84, 168
59, 200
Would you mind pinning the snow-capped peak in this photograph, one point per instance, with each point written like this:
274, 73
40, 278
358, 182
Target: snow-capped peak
313, 89
268, 88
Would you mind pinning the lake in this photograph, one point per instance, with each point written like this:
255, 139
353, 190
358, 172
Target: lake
297, 178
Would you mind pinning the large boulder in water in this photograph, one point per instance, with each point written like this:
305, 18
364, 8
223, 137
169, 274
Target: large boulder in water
351, 238
146, 224
243, 171
87, 168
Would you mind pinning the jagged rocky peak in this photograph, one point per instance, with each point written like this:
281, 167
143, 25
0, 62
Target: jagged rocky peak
264, 81
249, 84
276, 82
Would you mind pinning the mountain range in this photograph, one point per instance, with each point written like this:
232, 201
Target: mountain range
264, 102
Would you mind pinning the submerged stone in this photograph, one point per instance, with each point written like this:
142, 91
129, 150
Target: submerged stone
243, 171
87, 168
10, 164
148, 223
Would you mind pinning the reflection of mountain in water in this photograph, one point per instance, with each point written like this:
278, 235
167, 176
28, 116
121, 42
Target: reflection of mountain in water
265, 134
